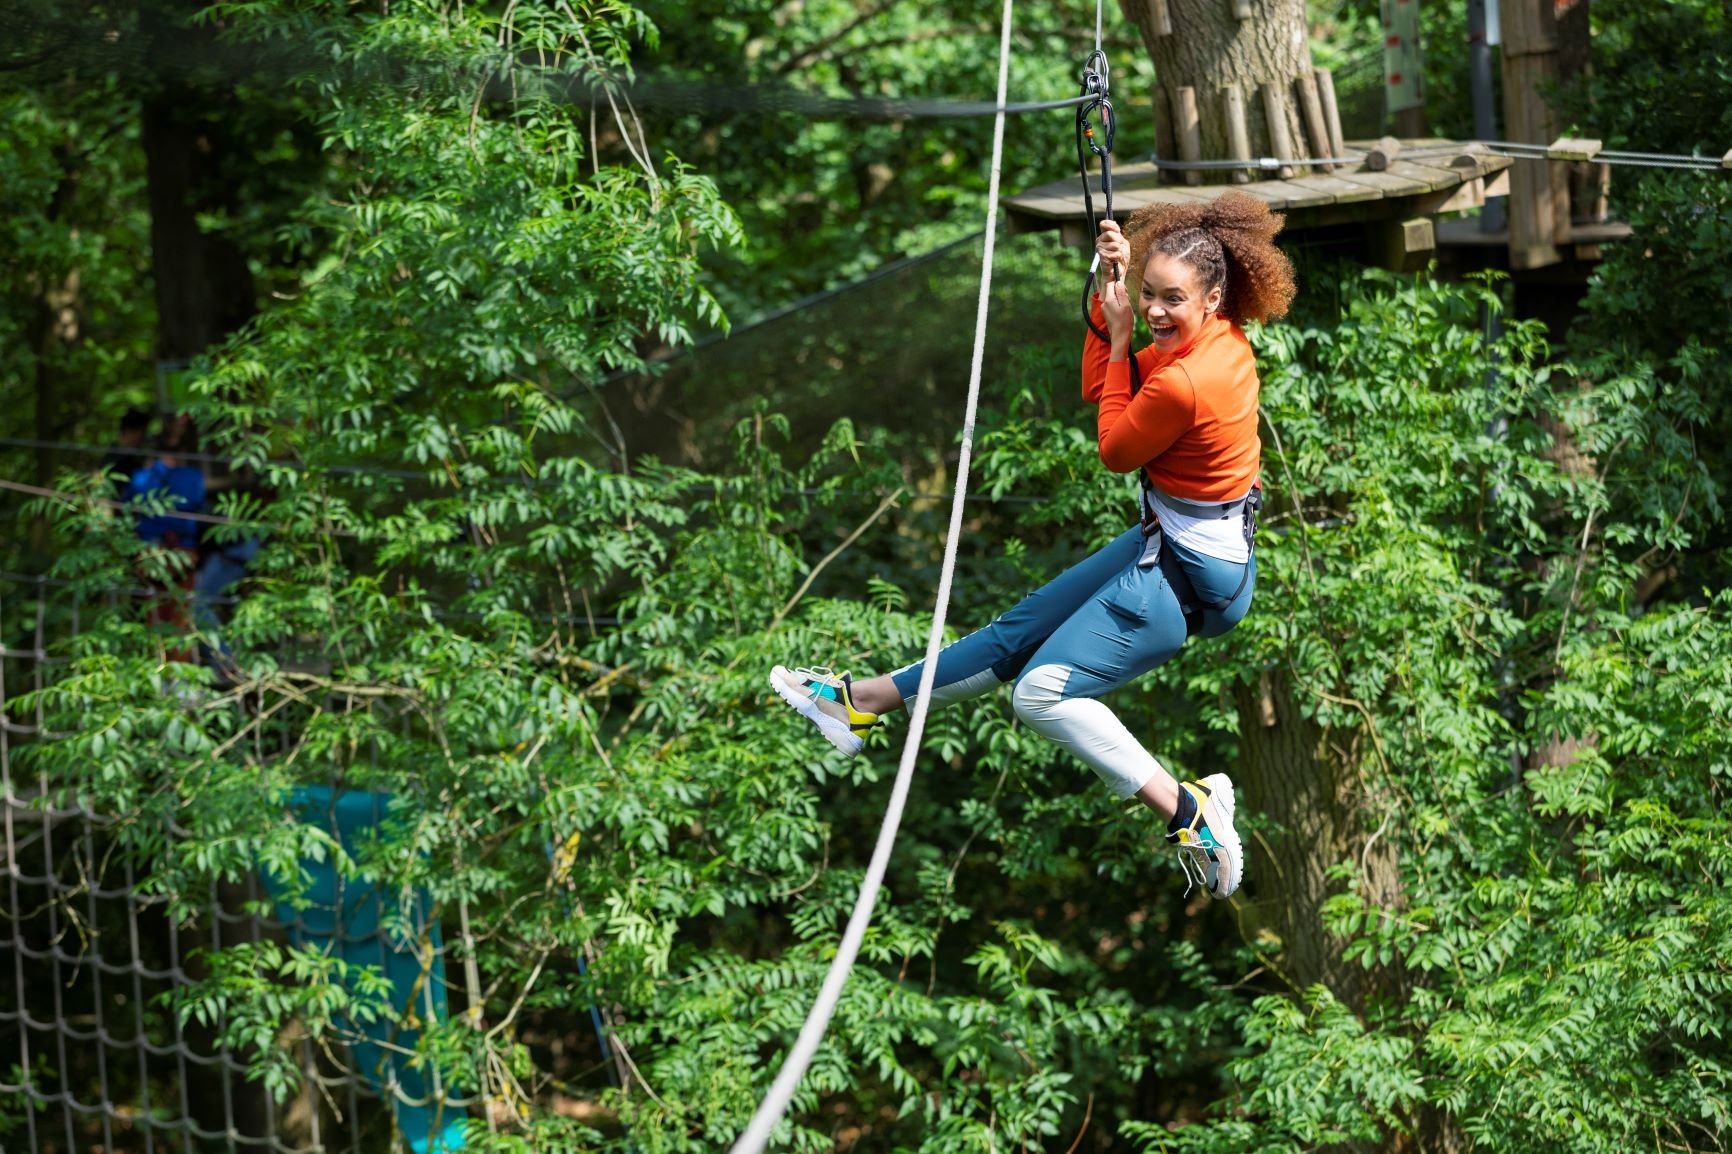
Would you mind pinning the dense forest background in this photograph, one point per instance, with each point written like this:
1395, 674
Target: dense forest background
561, 417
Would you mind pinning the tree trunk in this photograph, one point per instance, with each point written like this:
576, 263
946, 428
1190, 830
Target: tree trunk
1209, 50
1303, 782
52, 330
204, 289
204, 286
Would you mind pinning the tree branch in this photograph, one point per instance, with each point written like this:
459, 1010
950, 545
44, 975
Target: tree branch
815, 51
831, 556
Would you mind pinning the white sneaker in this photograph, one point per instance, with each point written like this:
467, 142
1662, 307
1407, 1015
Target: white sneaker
826, 700
1210, 852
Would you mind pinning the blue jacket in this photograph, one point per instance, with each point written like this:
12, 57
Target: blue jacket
184, 486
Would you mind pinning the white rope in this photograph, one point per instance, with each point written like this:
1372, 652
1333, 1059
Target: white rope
805, 1047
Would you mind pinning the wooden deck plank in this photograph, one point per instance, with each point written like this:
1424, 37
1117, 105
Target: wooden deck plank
1046, 206
1424, 177
1386, 183
1339, 191
1286, 195
1170, 194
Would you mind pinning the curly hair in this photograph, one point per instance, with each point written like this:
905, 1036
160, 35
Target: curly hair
1229, 241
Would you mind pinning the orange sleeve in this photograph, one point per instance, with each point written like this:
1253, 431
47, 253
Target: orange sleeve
1096, 354
1135, 430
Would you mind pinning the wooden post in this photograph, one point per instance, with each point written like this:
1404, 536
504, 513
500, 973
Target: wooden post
1275, 112
1241, 9
1166, 138
1331, 114
1403, 245
1238, 131
1382, 154
1539, 190
1160, 18
1189, 128
1311, 111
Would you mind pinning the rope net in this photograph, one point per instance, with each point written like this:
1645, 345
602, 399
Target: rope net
92, 1054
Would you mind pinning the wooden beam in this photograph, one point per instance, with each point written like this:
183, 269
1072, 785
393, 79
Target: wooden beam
1238, 131
1311, 112
1190, 131
1166, 138
1466, 195
1382, 154
1571, 148
1331, 114
1280, 143
1403, 245
1539, 190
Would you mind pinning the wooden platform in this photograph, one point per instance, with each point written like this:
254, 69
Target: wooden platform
1467, 233
1443, 177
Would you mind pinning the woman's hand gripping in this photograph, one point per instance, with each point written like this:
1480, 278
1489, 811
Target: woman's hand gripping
1114, 251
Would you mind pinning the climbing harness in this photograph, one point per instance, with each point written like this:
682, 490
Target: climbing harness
1247, 507
1096, 85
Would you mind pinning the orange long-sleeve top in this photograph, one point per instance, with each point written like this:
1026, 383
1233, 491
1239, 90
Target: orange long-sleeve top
1193, 424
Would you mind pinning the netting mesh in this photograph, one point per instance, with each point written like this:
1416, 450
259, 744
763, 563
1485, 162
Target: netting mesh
891, 351
92, 1054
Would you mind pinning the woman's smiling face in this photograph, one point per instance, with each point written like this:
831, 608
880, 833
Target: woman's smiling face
1172, 301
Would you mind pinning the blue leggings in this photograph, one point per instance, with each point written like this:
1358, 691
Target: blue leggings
1101, 623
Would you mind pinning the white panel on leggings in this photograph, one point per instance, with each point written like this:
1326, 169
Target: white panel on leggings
1084, 726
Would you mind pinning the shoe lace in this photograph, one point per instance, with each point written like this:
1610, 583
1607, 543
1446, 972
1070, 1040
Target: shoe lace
1194, 859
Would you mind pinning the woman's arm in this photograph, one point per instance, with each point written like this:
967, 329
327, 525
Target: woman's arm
1135, 430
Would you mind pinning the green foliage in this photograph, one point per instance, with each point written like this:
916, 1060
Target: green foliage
1653, 60
75, 331
551, 654
825, 201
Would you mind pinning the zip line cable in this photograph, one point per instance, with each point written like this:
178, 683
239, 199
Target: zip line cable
775, 1103
753, 98
1513, 150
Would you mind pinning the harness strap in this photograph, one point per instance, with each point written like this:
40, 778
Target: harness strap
1247, 506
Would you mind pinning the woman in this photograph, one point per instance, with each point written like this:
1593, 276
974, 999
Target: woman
1197, 273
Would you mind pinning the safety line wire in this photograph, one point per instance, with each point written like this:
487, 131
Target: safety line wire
679, 96
93, 450
1258, 162
1510, 150
1523, 150
775, 1103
